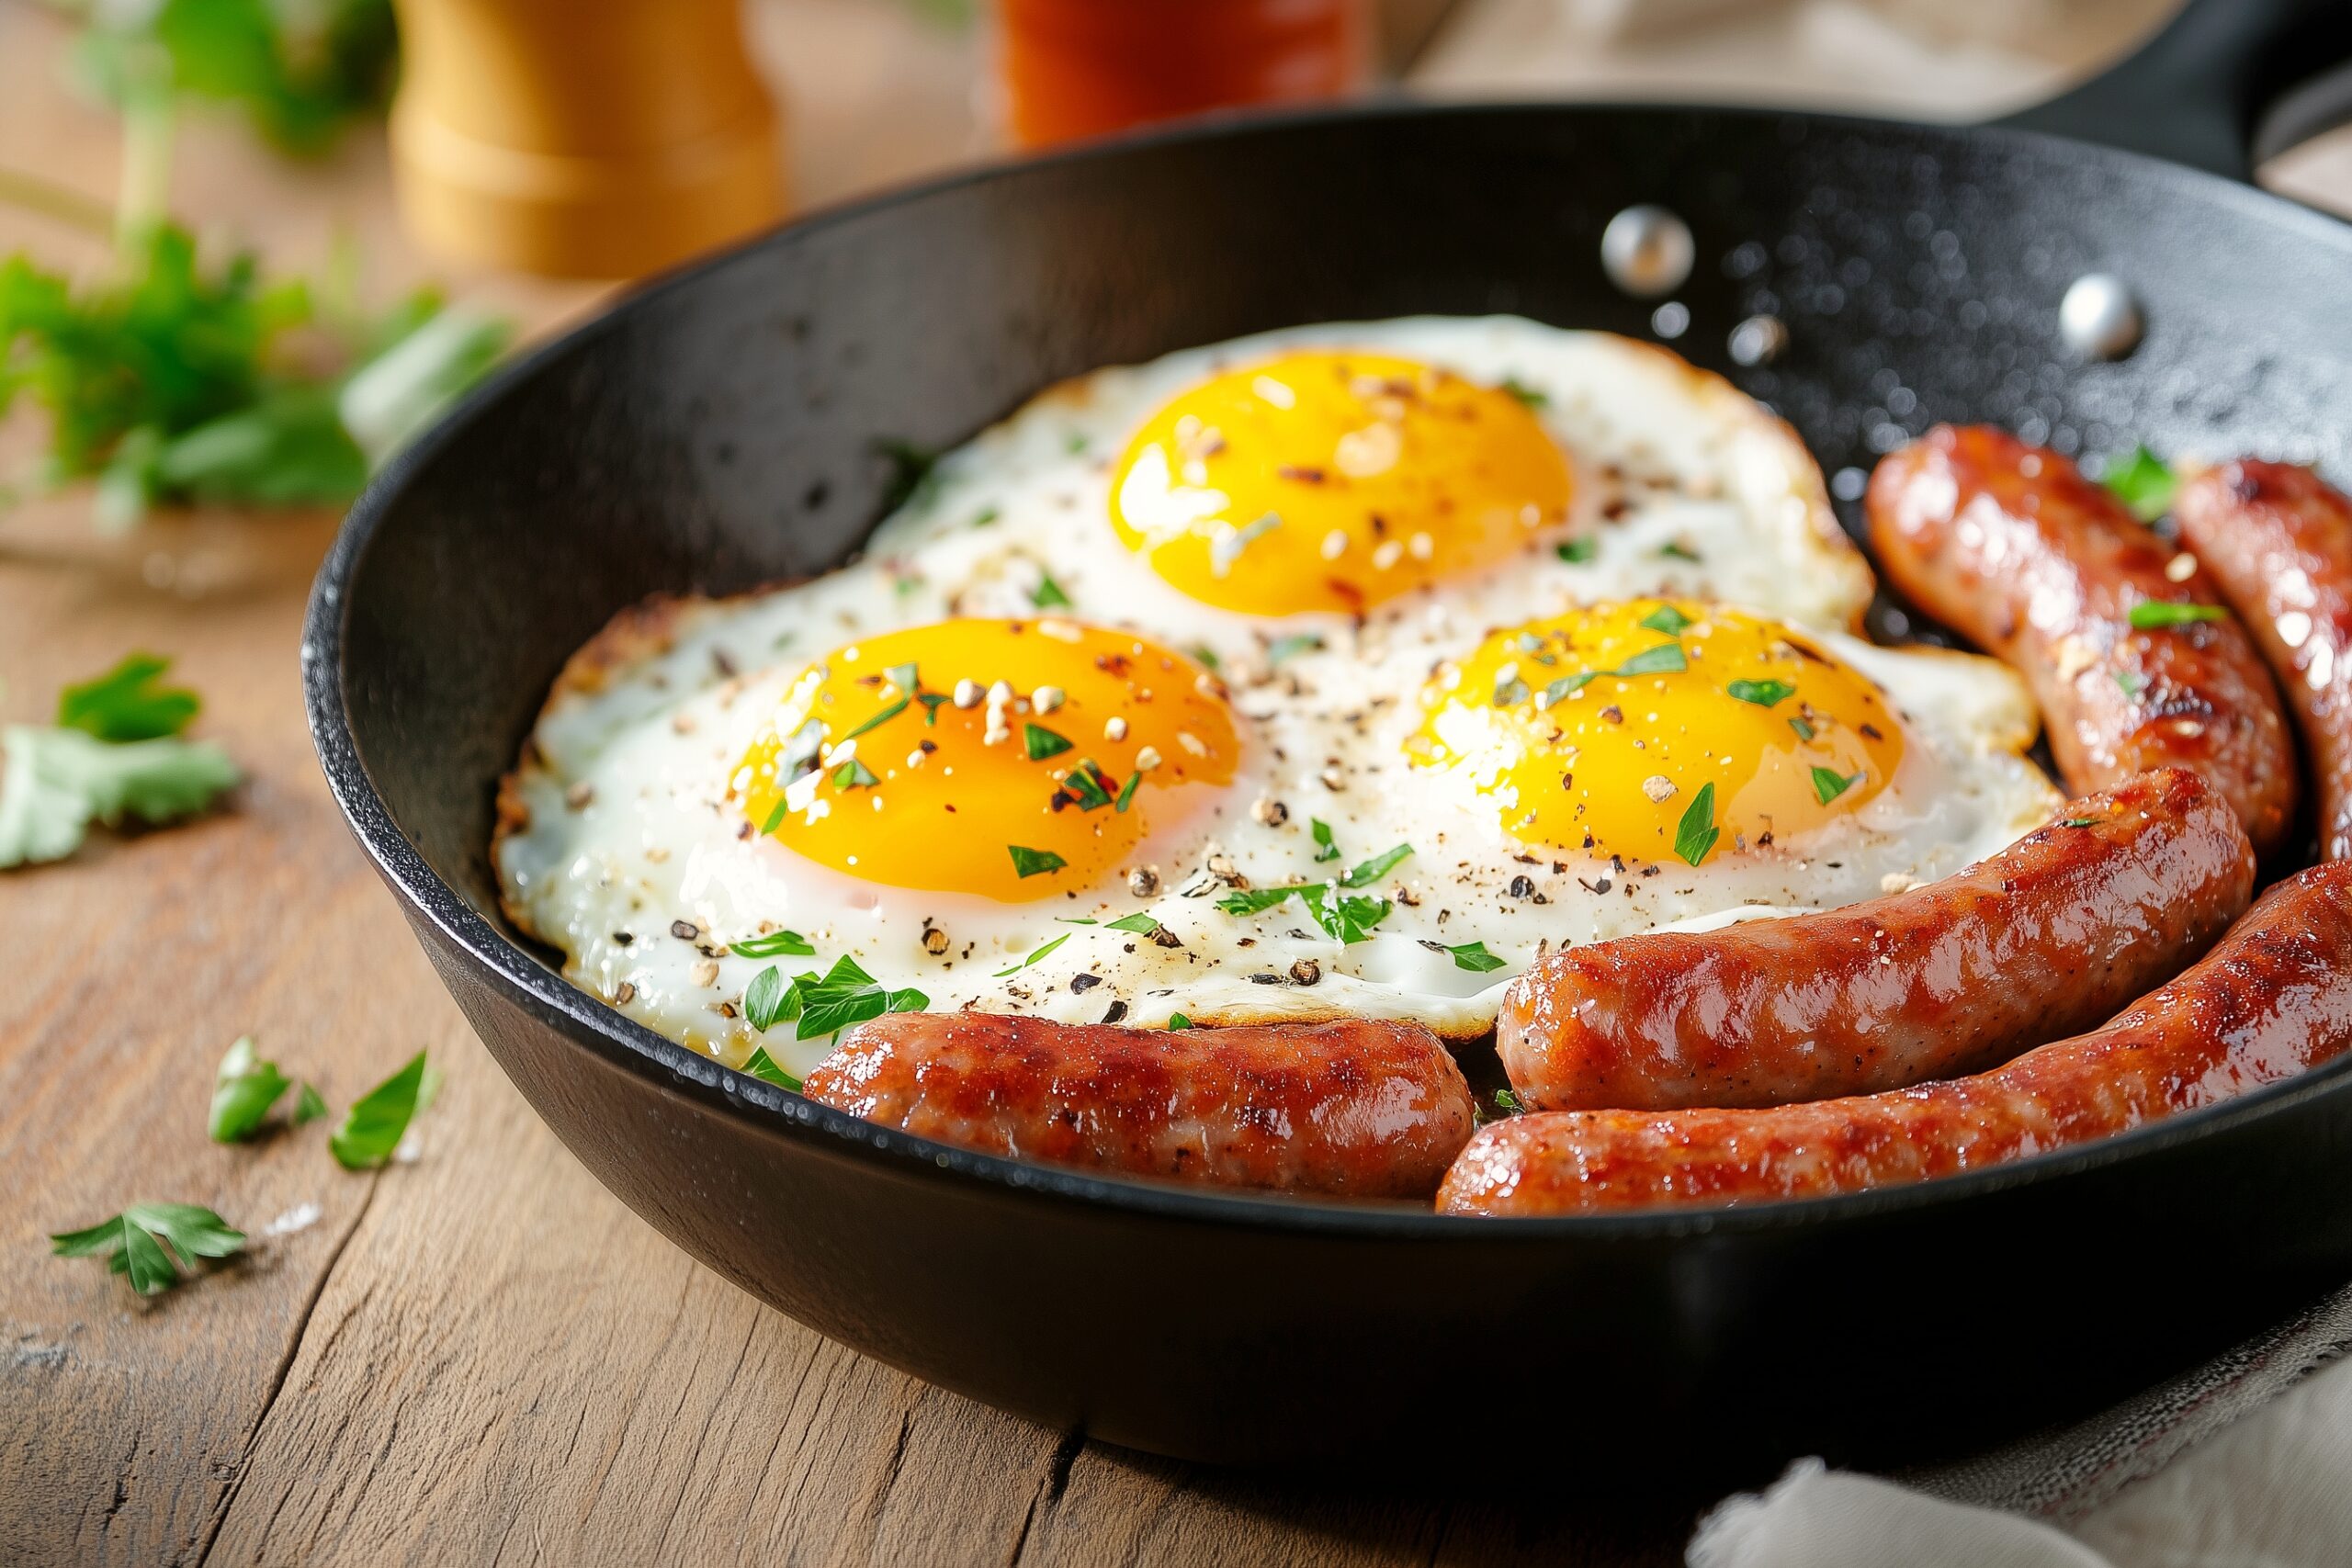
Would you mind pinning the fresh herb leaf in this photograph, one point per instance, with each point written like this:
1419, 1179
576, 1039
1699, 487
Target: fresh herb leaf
1028, 863
1509, 1102
1256, 900
1763, 693
1042, 743
1035, 954
1328, 849
1829, 784
855, 774
1666, 659
775, 945
1568, 687
884, 717
1804, 729
1578, 552
308, 1106
1672, 550
1512, 691
1474, 956
1177, 1021
133, 1242
1668, 619
1342, 919
55, 783
931, 701
1048, 595
244, 1090
768, 1000
986, 515
1139, 923
1368, 871
1291, 647
762, 1065
1087, 786
298, 74
914, 475
776, 817
127, 704
1127, 790
374, 1125
907, 1000
2131, 682
844, 995
1075, 443
2145, 483
1529, 395
1697, 832
906, 678
2152, 615
2080, 822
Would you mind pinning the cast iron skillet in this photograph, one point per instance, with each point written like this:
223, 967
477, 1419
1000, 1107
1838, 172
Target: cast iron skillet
718, 429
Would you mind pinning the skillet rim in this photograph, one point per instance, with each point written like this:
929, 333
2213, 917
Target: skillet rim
670, 1068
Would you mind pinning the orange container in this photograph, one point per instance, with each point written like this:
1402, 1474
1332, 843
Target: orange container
1076, 68
603, 139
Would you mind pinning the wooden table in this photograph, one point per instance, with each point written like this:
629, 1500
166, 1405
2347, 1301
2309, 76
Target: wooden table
478, 1355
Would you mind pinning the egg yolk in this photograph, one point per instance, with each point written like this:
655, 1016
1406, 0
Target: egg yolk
1332, 481
1012, 758
1659, 729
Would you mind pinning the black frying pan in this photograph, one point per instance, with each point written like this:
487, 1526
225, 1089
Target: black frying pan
721, 428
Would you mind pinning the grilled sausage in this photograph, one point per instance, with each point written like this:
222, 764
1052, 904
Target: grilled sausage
2050, 937
2011, 547
2277, 541
2273, 998
1358, 1109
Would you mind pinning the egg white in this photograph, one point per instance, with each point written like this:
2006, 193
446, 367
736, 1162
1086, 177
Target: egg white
619, 828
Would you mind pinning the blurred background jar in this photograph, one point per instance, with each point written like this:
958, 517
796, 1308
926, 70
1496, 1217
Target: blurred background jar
1076, 68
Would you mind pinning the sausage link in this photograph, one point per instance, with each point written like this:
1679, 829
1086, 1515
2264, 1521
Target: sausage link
2047, 938
2277, 540
1361, 1108
2011, 547
2273, 998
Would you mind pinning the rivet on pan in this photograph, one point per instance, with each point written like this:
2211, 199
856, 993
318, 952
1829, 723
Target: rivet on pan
2098, 318
1647, 252
1760, 340
1670, 320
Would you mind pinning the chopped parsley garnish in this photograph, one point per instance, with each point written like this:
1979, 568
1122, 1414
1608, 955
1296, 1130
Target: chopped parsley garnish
775, 945
884, 717
2145, 483
1177, 1021
1029, 863
1578, 552
1668, 619
768, 1000
913, 474
1322, 831
1378, 866
1042, 743
1697, 832
1087, 786
762, 1065
126, 703
855, 774
59, 781
244, 1090
1035, 954
1509, 1101
1206, 656
846, 995
2080, 822
1127, 790
2131, 682
1829, 784
931, 701
1139, 923
1804, 729
133, 1242
2152, 615
1048, 595
1291, 647
1530, 396
1673, 551
906, 678
1474, 956
1568, 687
1074, 444
1763, 693
1666, 659
1255, 900
776, 817
986, 515
308, 1106
372, 1128
1344, 920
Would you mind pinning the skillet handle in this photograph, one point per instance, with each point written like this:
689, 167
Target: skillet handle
2223, 86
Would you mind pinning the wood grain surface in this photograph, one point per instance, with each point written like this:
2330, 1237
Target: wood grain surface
478, 1356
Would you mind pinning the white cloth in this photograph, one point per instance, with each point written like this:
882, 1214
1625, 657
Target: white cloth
2273, 1489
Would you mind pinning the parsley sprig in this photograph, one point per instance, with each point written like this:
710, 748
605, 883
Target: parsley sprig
819, 1005
150, 1242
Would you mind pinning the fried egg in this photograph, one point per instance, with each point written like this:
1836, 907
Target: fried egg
1334, 672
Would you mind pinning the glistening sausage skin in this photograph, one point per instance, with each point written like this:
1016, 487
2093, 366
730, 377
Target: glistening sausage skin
2273, 998
2048, 937
2011, 547
1358, 1109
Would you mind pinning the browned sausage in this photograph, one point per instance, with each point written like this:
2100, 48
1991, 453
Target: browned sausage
2011, 547
2277, 540
2273, 998
1358, 1109
2047, 938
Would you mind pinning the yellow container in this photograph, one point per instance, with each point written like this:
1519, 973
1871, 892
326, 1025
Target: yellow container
581, 138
